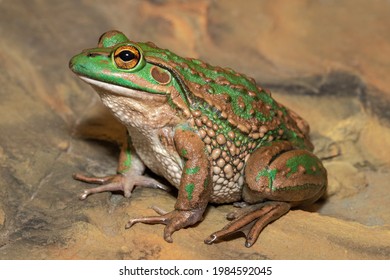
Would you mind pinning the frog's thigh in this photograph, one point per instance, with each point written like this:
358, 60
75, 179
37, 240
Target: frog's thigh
280, 173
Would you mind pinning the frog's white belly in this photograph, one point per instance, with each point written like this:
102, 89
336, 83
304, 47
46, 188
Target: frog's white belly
130, 107
156, 157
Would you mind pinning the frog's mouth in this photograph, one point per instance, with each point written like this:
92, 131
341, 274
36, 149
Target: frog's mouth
107, 88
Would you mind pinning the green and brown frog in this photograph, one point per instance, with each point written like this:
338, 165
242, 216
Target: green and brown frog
213, 133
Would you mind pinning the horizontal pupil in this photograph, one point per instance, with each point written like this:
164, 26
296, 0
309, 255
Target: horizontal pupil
126, 55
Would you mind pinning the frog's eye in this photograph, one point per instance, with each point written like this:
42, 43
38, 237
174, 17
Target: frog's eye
126, 57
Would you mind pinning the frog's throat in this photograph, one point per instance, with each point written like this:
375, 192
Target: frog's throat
102, 87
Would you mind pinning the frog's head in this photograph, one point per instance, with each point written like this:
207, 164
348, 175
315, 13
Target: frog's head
130, 81
118, 64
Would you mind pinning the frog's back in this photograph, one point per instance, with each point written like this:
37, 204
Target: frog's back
231, 101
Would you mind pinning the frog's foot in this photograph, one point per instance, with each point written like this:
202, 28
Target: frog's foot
175, 220
119, 182
251, 221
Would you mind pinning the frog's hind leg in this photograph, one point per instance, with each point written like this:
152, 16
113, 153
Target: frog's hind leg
251, 220
278, 177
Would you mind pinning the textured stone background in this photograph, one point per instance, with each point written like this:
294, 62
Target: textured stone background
328, 60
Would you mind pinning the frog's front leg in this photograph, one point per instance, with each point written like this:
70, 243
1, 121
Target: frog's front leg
194, 190
129, 175
278, 177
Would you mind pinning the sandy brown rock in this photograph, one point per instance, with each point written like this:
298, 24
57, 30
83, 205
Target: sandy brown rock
327, 60
345, 180
296, 232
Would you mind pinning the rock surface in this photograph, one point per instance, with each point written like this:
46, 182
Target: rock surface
326, 60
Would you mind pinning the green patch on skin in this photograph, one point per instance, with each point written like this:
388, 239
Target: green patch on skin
127, 162
310, 163
192, 171
206, 182
293, 137
185, 127
189, 188
270, 174
184, 152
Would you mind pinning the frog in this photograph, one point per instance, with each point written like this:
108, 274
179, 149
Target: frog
213, 133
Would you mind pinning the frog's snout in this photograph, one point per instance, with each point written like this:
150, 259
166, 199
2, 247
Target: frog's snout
71, 63
77, 64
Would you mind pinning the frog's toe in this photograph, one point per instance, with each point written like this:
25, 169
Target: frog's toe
118, 182
146, 220
104, 188
251, 221
93, 179
108, 183
174, 220
150, 183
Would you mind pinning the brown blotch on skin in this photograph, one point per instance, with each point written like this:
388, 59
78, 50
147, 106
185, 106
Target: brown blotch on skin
209, 124
222, 81
160, 75
198, 122
243, 128
202, 133
221, 139
211, 133
215, 153
197, 113
241, 103
251, 93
